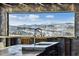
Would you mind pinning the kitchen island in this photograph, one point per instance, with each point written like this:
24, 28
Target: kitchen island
41, 49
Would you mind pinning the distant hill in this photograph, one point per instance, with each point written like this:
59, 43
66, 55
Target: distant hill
60, 27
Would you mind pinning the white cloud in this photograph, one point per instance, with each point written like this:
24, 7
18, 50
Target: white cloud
18, 20
30, 17
33, 17
50, 16
12, 16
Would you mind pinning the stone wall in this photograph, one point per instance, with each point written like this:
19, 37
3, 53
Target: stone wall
3, 24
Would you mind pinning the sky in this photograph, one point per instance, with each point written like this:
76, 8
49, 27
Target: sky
16, 19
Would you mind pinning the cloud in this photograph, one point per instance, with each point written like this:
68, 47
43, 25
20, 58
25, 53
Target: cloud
12, 16
33, 17
30, 17
15, 20
50, 16
22, 19
16, 17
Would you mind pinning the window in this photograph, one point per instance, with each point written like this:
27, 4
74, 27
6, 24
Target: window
45, 24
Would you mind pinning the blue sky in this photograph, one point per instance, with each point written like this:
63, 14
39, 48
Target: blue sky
40, 18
